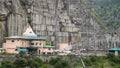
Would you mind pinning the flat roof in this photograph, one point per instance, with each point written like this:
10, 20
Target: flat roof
26, 37
114, 49
22, 49
48, 46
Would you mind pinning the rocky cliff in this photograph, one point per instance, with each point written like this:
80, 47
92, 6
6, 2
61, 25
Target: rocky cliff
58, 20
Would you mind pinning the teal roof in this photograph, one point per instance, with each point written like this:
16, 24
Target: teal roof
114, 49
48, 46
21, 49
26, 37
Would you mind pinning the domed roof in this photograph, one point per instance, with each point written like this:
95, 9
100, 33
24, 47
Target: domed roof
29, 32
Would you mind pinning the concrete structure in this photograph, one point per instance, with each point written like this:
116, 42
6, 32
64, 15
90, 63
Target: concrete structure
64, 47
29, 43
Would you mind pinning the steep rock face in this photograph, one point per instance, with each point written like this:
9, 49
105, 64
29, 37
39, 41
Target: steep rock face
17, 20
52, 19
67, 15
61, 21
2, 32
3, 15
14, 17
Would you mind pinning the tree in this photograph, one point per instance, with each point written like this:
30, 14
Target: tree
20, 63
44, 66
62, 64
59, 63
53, 61
35, 62
7, 64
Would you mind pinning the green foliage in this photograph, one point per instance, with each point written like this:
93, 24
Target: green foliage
29, 19
110, 56
20, 62
38, 60
87, 62
7, 64
93, 58
62, 64
48, 43
34, 63
53, 61
114, 25
23, 2
108, 10
110, 61
114, 59
44, 66
59, 63
77, 64
94, 61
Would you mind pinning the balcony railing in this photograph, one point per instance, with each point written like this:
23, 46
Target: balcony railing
35, 46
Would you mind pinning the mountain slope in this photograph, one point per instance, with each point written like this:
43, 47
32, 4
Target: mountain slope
108, 10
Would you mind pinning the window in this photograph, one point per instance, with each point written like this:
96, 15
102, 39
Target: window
49, 53
43, 53
39, 43
32, 43
36, 43
12, 40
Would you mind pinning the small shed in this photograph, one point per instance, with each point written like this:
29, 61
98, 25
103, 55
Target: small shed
115, 50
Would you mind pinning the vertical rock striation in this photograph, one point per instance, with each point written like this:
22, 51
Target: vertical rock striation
58, 20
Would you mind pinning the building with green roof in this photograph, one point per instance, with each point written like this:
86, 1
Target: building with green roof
29, 43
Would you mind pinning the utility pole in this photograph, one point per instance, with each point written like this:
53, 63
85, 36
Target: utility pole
83, 64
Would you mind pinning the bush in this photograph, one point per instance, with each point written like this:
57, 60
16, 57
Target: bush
23, 2
110, 56
38, 60
87, 62
44, 66
35, 62
59, 63
53, 61
7, 64
93, 58
20, 62
62, 64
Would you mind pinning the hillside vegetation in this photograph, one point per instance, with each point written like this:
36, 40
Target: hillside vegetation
69, 61
108, 10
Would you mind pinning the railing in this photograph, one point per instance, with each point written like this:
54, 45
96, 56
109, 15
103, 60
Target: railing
35, 46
